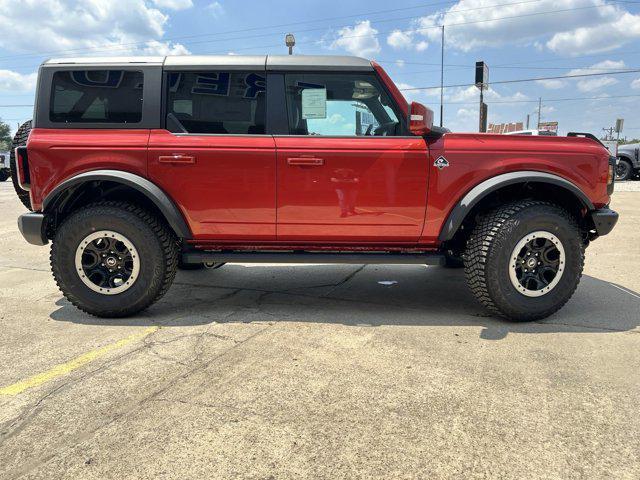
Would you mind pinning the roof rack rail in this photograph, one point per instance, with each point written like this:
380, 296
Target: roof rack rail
586, 135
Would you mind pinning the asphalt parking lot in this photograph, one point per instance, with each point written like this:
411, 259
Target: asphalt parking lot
321, 372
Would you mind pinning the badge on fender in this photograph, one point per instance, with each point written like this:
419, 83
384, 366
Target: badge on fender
441, 163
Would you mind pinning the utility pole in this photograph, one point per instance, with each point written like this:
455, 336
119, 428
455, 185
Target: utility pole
608, 135
539, 112
442, 79
527, 128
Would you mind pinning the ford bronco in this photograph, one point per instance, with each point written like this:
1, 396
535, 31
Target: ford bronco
136, 165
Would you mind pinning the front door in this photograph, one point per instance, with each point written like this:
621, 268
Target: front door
349, 172
215, 159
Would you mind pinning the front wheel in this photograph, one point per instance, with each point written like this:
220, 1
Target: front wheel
113, 259
524, 260
4, 174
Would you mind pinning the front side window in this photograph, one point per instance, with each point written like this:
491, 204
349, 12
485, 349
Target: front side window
96, 96
339, 105
217, 102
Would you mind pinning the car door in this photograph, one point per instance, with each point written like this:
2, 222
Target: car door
214, 158
349, 171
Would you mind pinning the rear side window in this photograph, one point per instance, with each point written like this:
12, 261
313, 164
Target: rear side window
217, 102
97, 96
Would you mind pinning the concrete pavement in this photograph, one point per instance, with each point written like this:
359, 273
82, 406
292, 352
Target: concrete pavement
254, 371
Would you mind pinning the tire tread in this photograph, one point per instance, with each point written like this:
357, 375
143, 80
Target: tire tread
167, 241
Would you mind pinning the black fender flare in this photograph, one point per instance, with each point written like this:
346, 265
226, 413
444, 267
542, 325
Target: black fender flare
477, 193
149, 189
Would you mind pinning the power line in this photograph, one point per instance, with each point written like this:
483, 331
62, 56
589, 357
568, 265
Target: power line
110, 47
546, 100
520, 80
116, 47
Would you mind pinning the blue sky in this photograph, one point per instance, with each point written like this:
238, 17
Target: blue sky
518, 39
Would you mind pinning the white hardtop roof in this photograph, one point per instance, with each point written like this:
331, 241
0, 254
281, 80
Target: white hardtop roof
233, 62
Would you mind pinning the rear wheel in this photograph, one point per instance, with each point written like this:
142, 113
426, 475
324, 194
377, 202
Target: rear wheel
623, 169
524, 260
113, 259
19, 140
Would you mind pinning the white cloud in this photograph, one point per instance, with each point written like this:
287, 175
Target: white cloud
579, 28
596, 83
399, 39
155, 47
216, 9
359, 40
552, 84
16, 82
336, 118
67, 27
616, 29
173, 4
400, 63
469, 94
636, 84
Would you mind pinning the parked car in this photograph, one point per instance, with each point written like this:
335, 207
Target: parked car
134, 164
533, 132
5, 169
628, 161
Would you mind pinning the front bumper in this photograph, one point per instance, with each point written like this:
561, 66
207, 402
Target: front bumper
32, 228
604, 219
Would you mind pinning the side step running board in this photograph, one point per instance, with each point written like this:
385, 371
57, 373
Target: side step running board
314, 257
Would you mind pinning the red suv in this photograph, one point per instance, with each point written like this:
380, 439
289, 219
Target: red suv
135, 166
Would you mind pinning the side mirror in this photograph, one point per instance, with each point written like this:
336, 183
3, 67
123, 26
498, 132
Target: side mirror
420, 119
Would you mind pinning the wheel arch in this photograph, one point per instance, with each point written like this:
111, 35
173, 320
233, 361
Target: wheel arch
523, 184
629, 158
95, 185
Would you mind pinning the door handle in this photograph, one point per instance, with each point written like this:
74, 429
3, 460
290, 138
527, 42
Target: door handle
306, 161
177, 158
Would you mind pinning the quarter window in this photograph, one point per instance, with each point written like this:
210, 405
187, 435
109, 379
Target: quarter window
217, 102
97, 96
339, 105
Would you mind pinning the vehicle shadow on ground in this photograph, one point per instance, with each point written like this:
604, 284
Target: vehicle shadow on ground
375, 295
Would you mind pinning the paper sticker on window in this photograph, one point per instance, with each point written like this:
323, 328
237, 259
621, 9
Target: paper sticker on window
314, 103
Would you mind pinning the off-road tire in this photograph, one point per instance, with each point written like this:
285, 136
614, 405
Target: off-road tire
487, 258
155, 243
19, 140
624, 170
4, 174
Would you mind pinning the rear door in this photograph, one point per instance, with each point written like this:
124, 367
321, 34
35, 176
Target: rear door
349, 171
214, 158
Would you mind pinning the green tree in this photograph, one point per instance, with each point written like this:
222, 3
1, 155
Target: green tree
5, 136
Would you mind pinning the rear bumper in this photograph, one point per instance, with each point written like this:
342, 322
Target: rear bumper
604, 219
31, 227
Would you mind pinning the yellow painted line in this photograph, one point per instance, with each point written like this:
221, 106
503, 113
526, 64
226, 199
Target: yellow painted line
68, 367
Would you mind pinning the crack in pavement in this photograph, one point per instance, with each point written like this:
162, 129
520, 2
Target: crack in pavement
128, 409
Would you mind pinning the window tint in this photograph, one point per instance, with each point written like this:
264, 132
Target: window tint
217, 102
339, 104
96, 96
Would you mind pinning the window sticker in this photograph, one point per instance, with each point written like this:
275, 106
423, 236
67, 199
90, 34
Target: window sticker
314, 103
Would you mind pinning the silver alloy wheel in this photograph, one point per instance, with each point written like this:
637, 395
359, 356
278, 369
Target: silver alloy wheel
107, 262
537, 263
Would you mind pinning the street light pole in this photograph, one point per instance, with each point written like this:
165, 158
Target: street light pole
290, 41
442, 79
